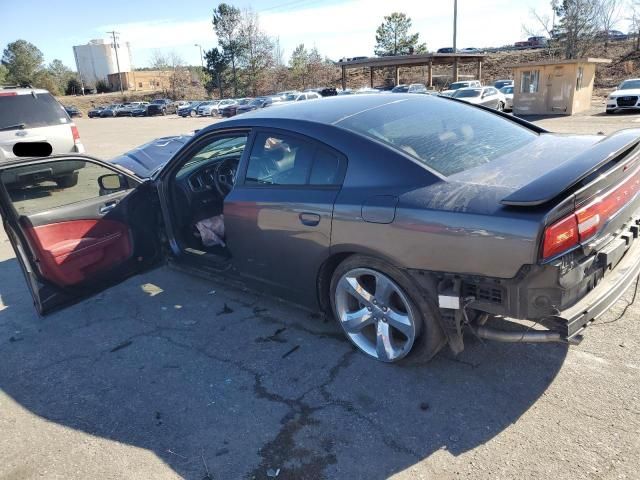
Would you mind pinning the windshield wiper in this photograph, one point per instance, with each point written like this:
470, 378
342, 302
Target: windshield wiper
17, 126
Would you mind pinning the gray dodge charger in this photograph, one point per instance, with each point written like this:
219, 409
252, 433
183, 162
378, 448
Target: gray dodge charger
410, 219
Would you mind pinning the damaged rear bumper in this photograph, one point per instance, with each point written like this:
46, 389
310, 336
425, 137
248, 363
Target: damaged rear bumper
571, 321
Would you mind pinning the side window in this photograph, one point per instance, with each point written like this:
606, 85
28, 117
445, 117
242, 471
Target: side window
279, 160
326, 166
49, 185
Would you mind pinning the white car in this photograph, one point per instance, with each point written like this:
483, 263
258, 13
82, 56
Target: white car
508, 97
457, 85
34, 124
299, 97
625, 97
485, 96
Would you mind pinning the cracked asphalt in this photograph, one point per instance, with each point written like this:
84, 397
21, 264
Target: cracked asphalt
170, 376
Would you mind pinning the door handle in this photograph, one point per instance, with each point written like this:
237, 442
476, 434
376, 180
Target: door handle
107, 207
309, 219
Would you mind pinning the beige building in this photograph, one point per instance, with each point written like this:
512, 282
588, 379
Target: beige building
139, 80
556, 87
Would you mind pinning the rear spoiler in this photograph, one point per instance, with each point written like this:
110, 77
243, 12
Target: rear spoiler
569, 174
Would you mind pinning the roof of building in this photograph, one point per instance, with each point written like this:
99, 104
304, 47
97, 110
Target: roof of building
562, 62
408, 60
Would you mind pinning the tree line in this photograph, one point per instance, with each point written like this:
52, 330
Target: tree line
247, 61
23, 64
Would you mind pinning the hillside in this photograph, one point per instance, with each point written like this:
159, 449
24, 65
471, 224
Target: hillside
626, 63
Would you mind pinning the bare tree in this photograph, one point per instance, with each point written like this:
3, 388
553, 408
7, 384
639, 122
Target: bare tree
578, 26
179, 76
257, 56
634, 20
609, 14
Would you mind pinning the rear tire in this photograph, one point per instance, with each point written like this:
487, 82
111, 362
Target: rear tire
67, 181
610, 111
391, 307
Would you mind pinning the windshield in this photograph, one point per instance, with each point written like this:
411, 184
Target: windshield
400, 89
157, 102
629, 84
257, 102
464, 93
28, 111
507, 90
449, 137
457, 85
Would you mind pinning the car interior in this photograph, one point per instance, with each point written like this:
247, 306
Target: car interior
201, 184
199, 188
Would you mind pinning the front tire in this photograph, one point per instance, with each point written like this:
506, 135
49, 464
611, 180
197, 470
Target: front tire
610, 111
500, 107
382, 312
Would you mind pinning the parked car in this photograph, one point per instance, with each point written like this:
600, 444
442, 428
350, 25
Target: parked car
470, 50
485, 96
507, 92
283, 95
300, 96
95, 111
625, 97
553, 241
463, 84
128, 108
367, 91
445, 50
232, 109
256, 103
110, 110
189, 110
213, 107
502, 83
323, 92
413, 88
140, 110
34, 124
72, 111
161, 106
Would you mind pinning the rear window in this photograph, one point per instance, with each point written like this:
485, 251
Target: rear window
447, 136
31, 111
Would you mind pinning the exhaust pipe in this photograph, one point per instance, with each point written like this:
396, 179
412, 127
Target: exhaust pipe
534, 336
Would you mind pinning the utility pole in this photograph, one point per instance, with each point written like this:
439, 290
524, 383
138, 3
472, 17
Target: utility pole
114, 35
455, 36
201, 60
455, 25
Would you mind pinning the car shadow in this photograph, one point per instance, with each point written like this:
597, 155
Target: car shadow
216, 379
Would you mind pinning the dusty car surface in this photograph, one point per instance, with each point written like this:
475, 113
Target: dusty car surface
406, 217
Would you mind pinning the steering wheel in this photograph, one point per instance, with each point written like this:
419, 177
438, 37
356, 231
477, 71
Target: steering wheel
224, 176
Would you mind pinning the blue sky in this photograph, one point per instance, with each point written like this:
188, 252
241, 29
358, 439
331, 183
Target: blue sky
337, 28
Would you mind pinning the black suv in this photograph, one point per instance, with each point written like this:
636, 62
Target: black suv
161, 106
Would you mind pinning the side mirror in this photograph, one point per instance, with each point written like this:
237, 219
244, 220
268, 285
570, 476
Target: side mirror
112, 182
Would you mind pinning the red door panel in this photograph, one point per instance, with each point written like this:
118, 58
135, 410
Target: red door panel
72, 251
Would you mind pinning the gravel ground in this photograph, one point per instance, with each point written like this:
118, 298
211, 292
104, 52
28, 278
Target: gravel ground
169, 376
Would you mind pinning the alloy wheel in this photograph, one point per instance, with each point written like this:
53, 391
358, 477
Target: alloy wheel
375, 314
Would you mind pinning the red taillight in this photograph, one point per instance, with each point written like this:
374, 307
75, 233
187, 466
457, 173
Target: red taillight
588, 220
8, 94
560, 236
75, 133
